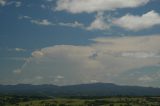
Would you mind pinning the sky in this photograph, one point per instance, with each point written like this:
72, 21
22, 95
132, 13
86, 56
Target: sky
66, 42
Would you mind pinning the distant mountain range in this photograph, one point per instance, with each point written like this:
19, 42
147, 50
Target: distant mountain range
95, 89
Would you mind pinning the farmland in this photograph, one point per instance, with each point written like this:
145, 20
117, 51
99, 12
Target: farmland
79, 101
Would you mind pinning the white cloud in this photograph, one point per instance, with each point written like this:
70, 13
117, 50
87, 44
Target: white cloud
59, 77
20, 49
37, 54
24, 17
107, 62
18, 4
17, 49
49, 0
15, 3
43, 22
145, 79
146, 76
93, 81
38, 77
45, 6
130, 43
74, 25
2, 2
17, 71
8, 3
89, 6
141, 54
99, 23
136, 23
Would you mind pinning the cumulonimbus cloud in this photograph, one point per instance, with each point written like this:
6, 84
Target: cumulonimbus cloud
100, 61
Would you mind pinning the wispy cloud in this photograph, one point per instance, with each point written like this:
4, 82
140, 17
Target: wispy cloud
17, 49
20, 49
98, 24
16, 3
24, 17
74, 24
7, 3
43, 22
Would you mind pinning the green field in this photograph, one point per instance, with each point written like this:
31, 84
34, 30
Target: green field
106, 101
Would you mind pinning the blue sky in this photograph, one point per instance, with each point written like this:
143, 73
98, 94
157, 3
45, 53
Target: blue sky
77, 41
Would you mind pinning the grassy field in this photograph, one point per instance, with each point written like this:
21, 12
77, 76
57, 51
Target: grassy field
107, 101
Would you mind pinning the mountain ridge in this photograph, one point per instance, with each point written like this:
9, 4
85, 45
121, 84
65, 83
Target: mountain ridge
92, 89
